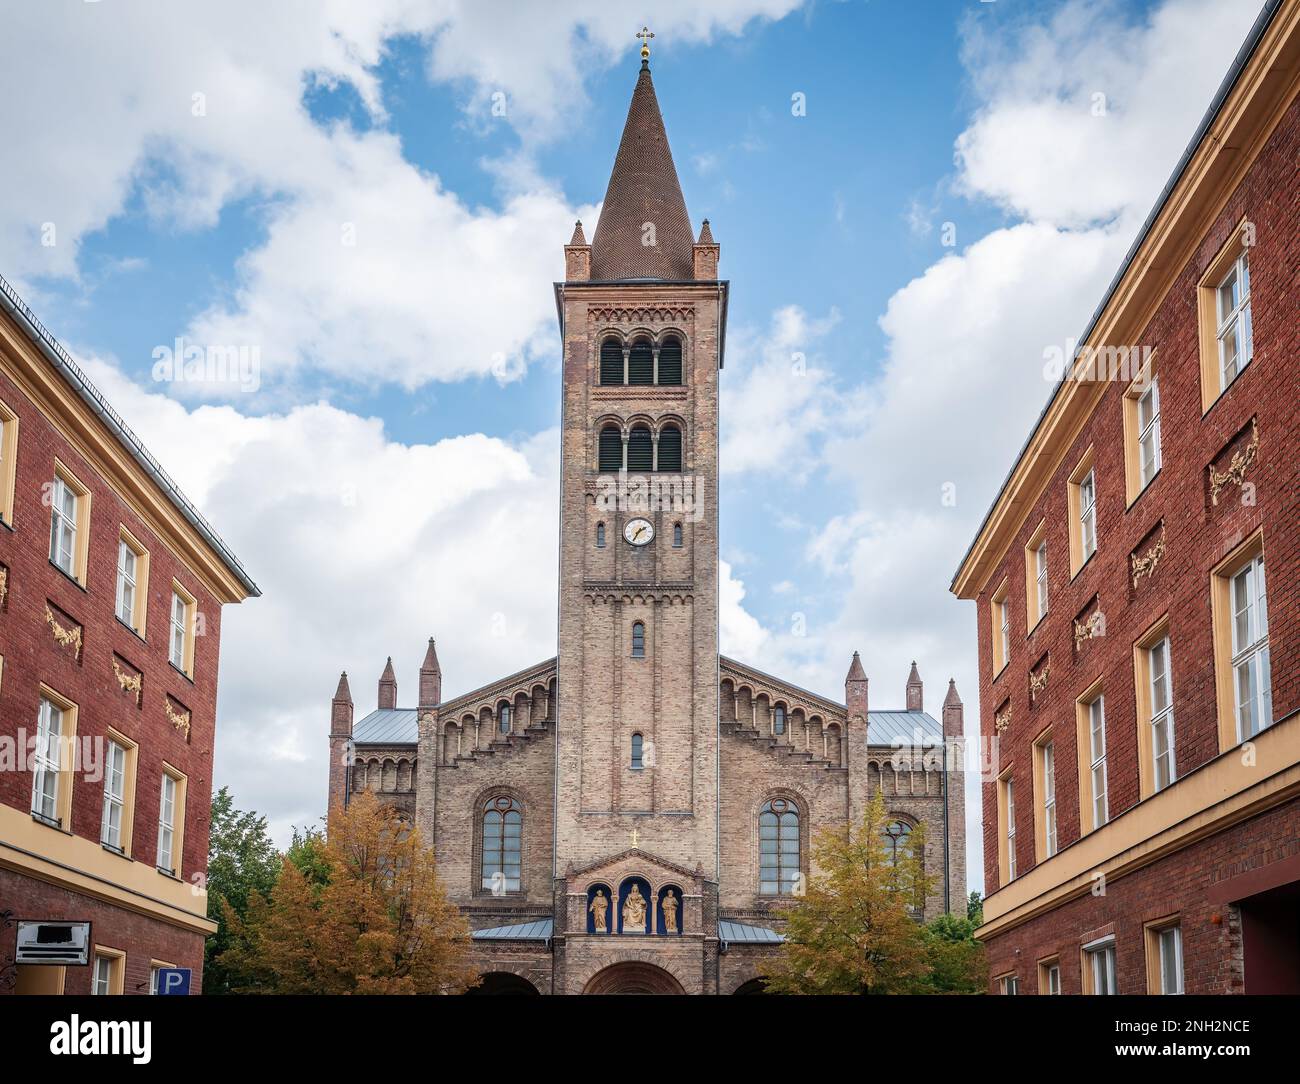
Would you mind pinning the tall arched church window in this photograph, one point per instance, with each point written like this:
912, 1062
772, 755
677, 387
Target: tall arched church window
638, 640
611, 449
640, 450
503, 822
611, 362
641, 363
670, 361
677, 535
778, 848
670, 448
897, 838
778, 720
503, 719
637, 745
600, 536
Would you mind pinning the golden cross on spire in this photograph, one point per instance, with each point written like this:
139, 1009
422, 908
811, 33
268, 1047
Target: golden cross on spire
645, 34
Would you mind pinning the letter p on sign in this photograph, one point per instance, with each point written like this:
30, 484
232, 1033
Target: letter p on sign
174, 981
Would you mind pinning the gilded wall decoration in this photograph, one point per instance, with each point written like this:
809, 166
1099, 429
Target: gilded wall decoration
180, 720
1145, 564
1038, 682
1242, 460
64, 636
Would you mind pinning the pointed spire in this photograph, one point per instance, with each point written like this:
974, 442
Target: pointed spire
706, 234
915, 690
431, 659
644, 231
578, 238
952, 699
856, 673
343, 693
430, 680
388, 686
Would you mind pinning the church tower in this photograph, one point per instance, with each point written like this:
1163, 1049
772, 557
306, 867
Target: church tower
643, 320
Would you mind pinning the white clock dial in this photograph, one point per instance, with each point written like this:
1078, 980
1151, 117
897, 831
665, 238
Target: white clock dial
639, 532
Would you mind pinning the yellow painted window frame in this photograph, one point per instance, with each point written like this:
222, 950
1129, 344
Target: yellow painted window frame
117, 974
1044, 965
1075, 506
1040, 796
140, 609
81, 559
1142, 699
191, 614
1004, 850
1085, 961
178, 819
996, 603
1221, 620
1032, 614
1083, 742
1151, 932
154, 966
8, 462
1207, 312
1133, 485
129, 771
1000, 983
67, 745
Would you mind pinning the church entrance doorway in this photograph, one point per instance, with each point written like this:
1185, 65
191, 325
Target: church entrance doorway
633, 978
503, 982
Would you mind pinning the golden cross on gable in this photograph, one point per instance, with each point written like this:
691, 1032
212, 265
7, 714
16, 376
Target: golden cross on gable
645, 34
636, 838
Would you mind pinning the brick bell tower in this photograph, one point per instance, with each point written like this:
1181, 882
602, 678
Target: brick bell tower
643, 320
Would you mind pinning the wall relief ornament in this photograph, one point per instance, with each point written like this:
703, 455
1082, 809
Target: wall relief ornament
131, 683
1090, 629
1002, 720
1242, 460
65, 636
179, 720
4, 585
1038, 682
1145, 564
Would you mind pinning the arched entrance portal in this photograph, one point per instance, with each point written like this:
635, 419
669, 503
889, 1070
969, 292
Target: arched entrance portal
503, 982
633, 978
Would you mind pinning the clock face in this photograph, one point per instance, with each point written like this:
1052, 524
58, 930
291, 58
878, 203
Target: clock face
639, 532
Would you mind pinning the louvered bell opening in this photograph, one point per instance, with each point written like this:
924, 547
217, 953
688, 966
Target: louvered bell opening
670, 449
611, 362
640, 456
611, 449
670, 362
641, 364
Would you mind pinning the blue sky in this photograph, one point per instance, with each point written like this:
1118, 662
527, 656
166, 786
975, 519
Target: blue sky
408, 390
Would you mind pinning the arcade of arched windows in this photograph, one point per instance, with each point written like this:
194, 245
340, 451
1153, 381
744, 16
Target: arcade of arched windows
383, 774
791, 722
506, 714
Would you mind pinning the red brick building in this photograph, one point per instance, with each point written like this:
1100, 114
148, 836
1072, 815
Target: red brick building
111, 588
1137, 581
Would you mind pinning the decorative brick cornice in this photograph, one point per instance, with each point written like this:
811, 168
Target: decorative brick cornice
1242, 460
644, 314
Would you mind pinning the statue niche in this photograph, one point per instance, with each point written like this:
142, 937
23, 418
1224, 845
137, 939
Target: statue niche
634, 903
598, 904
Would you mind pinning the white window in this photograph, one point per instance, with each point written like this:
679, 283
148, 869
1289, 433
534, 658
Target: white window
1040, 572
153, 979
1100, 961
180, 630
1148, 412
1004, 630
1049, 798
1053, 978
1097, 742
1088, 515
1234, 331
126, 561
1162, 714
1170, 942
110, 827
1011, 830
63, 526
1251, 673
103, 977
45, 777
1009, 985
167, 824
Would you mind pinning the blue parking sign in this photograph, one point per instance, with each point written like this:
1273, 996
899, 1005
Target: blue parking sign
174, 981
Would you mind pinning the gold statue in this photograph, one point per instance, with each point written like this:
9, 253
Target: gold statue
670, 912
634, 912
600, 907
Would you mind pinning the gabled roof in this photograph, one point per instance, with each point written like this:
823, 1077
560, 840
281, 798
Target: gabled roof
388, 726
538, 930
643, 189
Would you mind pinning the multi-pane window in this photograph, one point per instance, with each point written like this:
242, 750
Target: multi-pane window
1234, 330
638, 640
1251, 673
45, 777
63, 526
103, 977
1148, 420
1162, 714
1052, 979
778, 719
1099, 960
1097, 756
638, 746
1169, 946
180, 630
778, 848
126, 586
503, 821
110, 828
1040, 577
897, 838
167, 824
1088, 515
1009, 985
1011, 829
1048, 754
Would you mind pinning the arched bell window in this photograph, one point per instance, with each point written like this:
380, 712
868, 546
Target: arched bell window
670, 448
778, 848
670, 360
778, 719
503, 823
611, 361
638, 640
611, 448
640, 449
897, 839
641, 363
637, 745
600, 536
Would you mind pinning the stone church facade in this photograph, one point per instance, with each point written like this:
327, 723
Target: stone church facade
635, 814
